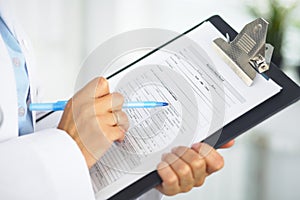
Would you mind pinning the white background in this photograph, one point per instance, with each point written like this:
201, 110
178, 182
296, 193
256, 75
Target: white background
264, 163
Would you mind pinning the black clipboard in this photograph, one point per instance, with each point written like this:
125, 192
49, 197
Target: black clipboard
289, 94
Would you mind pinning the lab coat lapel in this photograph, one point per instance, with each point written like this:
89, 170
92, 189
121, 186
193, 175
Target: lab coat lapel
27, 51
8, 100
25, 47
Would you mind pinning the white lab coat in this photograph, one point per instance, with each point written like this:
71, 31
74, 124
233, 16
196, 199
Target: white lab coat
44, 165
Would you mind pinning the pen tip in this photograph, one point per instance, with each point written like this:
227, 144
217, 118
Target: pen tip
165, 104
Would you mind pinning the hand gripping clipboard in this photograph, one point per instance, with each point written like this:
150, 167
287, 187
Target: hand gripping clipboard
289, 94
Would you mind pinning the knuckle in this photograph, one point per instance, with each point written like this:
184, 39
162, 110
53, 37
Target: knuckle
198, 164
118, 96
172, 180
184, 170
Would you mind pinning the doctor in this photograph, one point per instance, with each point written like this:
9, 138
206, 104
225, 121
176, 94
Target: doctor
53, 163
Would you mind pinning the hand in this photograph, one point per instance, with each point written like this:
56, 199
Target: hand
185, 168
93, 118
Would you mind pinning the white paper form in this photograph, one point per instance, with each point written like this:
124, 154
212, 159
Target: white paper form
204, 95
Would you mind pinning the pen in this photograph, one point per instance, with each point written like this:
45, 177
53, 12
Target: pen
60, 105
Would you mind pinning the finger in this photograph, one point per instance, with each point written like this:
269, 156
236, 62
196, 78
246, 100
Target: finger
114, 119
96, 88
170, 182
228, 145
214, 161
114, 133
121, 120
102, 87
195, 161
182, 170
109, 103
108, 119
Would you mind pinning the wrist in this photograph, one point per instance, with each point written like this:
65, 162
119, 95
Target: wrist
89, 158
68, 125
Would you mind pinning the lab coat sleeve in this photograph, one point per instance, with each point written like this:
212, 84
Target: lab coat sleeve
45, 165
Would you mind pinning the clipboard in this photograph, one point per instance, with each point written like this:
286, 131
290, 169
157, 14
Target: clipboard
289, 94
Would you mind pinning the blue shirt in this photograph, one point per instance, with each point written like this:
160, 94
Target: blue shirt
21, 76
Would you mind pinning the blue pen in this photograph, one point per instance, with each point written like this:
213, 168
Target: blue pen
60, 105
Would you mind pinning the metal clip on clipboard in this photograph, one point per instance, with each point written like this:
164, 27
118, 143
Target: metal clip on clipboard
248, 53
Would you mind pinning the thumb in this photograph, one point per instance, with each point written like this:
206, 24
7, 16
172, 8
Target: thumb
97, 88
102, 88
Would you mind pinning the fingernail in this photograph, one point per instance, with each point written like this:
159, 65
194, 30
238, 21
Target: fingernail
173, 149
163, 155
122, 128
196, 146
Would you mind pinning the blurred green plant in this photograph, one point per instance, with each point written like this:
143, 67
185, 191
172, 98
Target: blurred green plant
277, 13
297, 24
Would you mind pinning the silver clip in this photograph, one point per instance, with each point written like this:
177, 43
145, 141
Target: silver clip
247, 53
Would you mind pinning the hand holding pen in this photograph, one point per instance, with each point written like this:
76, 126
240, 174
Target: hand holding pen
94, 118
